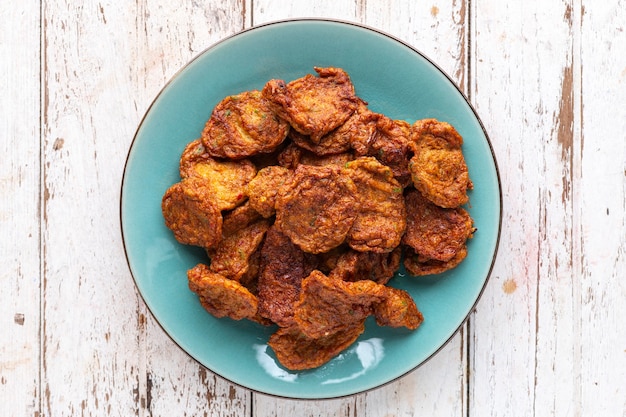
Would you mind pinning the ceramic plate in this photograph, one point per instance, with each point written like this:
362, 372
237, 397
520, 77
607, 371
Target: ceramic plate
396, 80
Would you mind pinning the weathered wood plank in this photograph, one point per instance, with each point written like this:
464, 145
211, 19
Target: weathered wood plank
19, 208
264, 11
603, 213
547, 78
165, 36
89, 351
523, 339
161, 37
439, 32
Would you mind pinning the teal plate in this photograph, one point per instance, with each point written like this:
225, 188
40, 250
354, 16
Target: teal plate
396, 80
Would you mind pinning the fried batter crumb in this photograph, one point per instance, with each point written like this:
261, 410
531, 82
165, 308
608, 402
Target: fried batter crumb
306, 203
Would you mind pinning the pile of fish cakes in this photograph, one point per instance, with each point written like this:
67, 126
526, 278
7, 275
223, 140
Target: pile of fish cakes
307, 202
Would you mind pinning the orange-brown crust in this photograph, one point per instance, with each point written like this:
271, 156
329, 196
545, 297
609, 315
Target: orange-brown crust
263, 188
238, 218
304, 200
226, 179
328, 305
243, 125
434, 232
438, 167
220, 296
192, 214
398, 310
417, 265
315, 209
381, 216
194, 153
314, 106
283, 266
298, 352
392, 149
352, 265
293, 155
231, 257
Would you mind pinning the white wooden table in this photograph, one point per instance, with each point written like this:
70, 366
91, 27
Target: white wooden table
548, 78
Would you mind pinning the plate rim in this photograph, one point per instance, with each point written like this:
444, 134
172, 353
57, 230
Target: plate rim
340, 22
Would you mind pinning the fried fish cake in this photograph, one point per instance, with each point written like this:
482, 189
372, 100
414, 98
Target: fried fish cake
297, 351
314, 106
316, 208
381, 216
328, 305
438, 167
192, 214
435, 232
418, 265
283, 266
220, 296
328, 145
243, 125
231, 257
293, 155
250, 279
262, 189
386, 139
391, 147
238, 218
352, 265
227, 179
398, 310
194, 153
362, 130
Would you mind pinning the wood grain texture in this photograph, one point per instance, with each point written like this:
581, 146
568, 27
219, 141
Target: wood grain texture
440, 33
549, 81
602, 212
19, 209
89, 349
168, 35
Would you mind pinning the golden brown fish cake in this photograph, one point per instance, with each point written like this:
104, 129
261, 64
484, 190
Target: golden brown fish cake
282, 269
362, 130
392, 149
231, 257
243, 125
315, 209
352, 265
398, 310
293, 155
330, 144
314, 106
438, 166
227, 179
381, 216
250, 279
387, 140
262, 189
327, 261
358, 131
297, 352
329, 305
238, 218
417, 265
194, 153
435, 232
192, 214
220, 296
340, 159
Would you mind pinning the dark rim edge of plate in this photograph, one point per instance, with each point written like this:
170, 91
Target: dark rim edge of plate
371, 29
